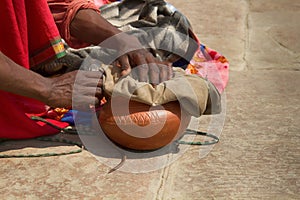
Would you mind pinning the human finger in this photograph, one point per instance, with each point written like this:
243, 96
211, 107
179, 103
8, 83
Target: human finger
90, 74
89, 79
154, 72
163, 75
168, 69
124, 65
85, 102
141, 65
143, 72
86, 91
81, 74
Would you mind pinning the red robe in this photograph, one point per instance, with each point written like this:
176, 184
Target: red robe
64, 11
28, 36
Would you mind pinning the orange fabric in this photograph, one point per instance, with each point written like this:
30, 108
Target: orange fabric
64, 12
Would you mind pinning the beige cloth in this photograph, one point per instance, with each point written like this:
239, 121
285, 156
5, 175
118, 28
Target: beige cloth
196, 95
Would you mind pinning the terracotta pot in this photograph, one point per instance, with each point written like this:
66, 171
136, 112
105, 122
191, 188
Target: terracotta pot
142, 127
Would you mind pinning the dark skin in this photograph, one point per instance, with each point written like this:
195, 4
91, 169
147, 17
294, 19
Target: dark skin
58, 91
97, 30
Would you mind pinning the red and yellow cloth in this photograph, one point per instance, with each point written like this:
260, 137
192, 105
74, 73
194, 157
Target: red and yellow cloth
64, 11
28, 36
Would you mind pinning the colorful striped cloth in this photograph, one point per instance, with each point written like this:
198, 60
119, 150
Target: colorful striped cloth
210, 64
28, 36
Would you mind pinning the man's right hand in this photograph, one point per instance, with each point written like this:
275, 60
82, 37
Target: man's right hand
148, 68
89, 26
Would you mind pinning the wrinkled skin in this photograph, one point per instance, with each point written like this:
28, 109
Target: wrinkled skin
98, 31
83, 86
80, 88
149, 69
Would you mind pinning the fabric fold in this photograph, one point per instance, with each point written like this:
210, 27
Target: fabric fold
64, 11
195, 94
27, 28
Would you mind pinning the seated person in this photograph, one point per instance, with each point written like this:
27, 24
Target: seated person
74, 16
28, 38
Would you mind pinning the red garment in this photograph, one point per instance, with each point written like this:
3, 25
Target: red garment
28, 36
64, 12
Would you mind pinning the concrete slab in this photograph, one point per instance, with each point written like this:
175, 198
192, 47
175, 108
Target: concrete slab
76, 176
273, 35
220, 25
274, 5
71, 177
258, 156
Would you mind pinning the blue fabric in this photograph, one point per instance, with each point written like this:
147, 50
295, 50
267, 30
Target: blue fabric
80, 117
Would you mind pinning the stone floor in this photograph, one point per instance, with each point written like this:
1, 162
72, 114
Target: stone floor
258, 156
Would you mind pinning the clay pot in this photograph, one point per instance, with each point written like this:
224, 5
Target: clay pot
142, 127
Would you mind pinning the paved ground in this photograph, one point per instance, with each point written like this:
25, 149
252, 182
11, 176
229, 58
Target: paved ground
258, 156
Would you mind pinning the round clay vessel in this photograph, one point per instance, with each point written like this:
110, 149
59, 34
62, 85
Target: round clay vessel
139, 126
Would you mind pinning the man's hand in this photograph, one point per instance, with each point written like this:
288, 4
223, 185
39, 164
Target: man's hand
134, 55
89, 26
79, 88
83, 87
149, 69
